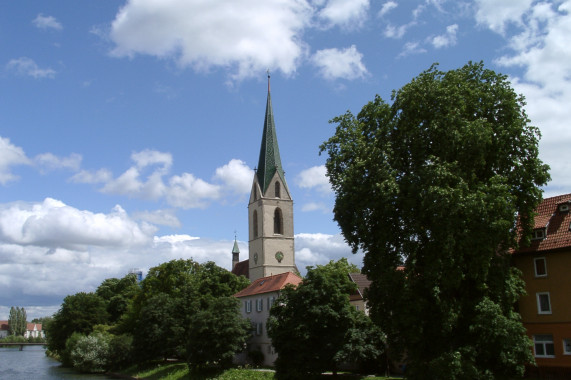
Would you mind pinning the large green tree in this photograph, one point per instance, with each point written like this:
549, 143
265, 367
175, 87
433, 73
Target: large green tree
313, 326
434, 183
216, 333
78, 313
170, 295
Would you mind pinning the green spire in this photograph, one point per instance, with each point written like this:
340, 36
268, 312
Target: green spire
235, 249
269, 161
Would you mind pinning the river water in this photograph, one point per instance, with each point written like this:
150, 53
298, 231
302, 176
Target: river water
32, 363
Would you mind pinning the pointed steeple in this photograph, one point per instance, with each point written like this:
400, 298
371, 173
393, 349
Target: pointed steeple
269, 161
235, 253
235, 249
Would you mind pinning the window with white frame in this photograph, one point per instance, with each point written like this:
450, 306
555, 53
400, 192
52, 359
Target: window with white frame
540, 266
543, 303
567, 346
259, 304
248, 306
543, 346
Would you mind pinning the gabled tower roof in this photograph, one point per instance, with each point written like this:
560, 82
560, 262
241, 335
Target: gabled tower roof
269, 161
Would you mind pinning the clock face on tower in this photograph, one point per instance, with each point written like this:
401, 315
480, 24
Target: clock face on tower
279, 256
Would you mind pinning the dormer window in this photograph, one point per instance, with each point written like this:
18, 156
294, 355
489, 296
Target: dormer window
538, 234
564, 207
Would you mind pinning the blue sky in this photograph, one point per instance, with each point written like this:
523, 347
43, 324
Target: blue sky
129, 130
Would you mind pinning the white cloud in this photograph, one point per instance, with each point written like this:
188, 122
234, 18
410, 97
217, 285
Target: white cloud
446, 39
497, 14
335, 63
52, 224
149, 179
411, 48
245, 35
315, 206
345, 13
540, 47
236, 175
314, 177
387, 7
93, 177
173, 239
150, 157
395, 32
319, 249
187, 191
10, 155
47, 22
160, 217
27, 67
49, 161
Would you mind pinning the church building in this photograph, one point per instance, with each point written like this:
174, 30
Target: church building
270, 212
271, 256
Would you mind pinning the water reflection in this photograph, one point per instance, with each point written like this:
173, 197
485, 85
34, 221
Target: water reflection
32, 363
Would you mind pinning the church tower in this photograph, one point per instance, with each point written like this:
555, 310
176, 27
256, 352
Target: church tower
270, 209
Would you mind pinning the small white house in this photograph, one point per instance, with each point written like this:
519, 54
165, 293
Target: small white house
255, 303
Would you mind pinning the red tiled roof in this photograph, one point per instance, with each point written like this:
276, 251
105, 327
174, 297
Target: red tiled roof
30, 326
242, 268
4, 325
556, 223
269, 284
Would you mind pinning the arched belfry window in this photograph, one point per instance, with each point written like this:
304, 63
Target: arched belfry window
255, 223
277, 189
278, 222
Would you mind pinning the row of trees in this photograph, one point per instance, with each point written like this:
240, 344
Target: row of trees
175, 312
184, 310
17, 324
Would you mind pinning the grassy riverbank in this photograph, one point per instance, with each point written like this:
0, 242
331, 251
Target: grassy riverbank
179, 371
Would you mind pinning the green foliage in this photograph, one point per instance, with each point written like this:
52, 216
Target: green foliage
70, 343
120, 353
118, 295
170, 295
216, 333
90, 353
313, 325
144, 321
17, 324
78, 313
435, 182
14, 339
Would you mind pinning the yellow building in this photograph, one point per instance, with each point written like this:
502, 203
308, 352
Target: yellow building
546, 265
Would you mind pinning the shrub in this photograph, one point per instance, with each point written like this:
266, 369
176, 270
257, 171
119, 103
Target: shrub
91, 353
70, 343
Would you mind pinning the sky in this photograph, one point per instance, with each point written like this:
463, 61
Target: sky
130, 130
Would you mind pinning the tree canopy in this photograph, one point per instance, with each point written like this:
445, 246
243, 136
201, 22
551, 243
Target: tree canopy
313, 325
78, 313
434, 184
